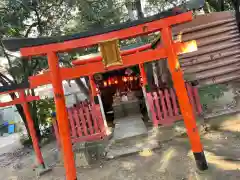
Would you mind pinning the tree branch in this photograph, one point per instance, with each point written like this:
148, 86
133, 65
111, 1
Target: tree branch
8, 59
222, 5
39, 22
35, 65
30, 28
4, 9
139, 9
5, 54
171, 2
6, 78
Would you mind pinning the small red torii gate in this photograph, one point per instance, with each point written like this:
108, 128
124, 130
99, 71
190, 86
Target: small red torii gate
168, 51
23, 100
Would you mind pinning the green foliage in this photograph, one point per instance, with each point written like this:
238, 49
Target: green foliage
210, 93
215, 5
44, 109
156, 6
24, 18
95, 14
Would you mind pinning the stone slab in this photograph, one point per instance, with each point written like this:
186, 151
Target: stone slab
128, 127
81, 159
129, 149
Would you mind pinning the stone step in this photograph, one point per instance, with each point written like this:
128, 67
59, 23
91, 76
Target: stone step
150, 141
128, 127
130, 146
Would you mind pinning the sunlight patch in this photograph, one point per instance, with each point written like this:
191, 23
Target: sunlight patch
166, 157
146, 152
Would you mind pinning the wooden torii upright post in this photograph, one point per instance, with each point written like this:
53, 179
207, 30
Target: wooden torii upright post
23, 100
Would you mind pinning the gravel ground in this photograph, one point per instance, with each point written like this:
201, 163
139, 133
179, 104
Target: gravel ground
173, 161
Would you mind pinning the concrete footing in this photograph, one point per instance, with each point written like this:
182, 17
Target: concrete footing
41, 172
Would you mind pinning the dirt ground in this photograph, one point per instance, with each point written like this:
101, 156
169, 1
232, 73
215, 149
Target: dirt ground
172, 161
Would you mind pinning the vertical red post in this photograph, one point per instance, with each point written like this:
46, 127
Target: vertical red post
184, 102
62, 117
32, 130
93, 90
94, 95
93, 86
145, 89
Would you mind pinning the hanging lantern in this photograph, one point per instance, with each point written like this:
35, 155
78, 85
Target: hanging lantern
97, 90
109, 82
131, 78
124, 79
105, 84
116, 82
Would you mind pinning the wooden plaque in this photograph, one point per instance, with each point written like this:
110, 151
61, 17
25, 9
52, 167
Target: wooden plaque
110, 53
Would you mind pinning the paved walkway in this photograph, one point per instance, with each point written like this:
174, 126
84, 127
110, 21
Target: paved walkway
9, 143
128, 127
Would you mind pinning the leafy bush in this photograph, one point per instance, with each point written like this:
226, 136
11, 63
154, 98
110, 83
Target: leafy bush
211, 93
44, 109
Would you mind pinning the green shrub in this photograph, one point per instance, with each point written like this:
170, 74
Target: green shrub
44, 109
211, 93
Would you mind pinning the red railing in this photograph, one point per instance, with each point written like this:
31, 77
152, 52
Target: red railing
86, 123
164, 106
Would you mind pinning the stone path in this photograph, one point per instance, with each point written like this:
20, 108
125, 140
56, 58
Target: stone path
128, 127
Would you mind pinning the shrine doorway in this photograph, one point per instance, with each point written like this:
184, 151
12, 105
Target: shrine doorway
123, 101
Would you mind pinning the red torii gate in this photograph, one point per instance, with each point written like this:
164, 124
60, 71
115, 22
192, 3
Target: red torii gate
169, 50
23, 100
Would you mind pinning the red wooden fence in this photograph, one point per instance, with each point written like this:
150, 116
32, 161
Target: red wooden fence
86, 123
164, 108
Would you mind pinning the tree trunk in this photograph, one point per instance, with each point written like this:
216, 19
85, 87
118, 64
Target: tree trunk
129, 6
236, 4
207, 8
222, 5
165, 78
21, 113
156, 73
82, 87
214, 4
5, 82
140, 13
148, 66
112, 10
27, 69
